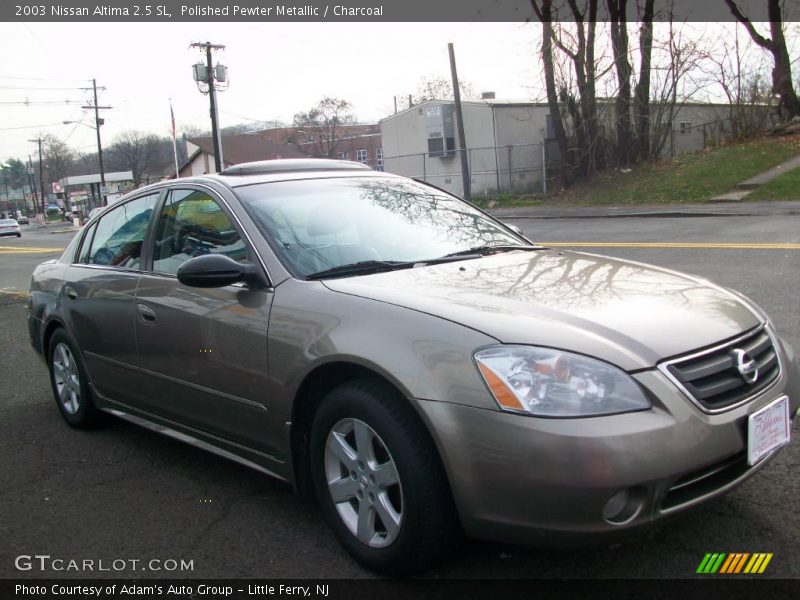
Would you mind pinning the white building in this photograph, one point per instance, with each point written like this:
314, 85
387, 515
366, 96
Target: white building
510, 145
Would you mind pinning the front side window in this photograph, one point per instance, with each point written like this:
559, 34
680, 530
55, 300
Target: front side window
119, 235
83, 257
192, 224
319, 224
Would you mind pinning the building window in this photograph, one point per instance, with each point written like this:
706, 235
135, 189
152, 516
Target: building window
342, 155
685, 127
361, 156
379, 159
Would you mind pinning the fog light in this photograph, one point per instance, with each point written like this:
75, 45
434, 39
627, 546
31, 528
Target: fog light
624, 506
616, 505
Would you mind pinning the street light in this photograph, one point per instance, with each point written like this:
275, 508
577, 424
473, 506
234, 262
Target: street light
99, 152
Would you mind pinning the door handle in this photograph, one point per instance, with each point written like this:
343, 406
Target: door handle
71, 293
146, 314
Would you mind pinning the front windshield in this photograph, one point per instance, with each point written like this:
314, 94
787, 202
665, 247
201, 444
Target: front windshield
319, 224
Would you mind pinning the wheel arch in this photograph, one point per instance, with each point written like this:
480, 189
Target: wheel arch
308, 398
52, 325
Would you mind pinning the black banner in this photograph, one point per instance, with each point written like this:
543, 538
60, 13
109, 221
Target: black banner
360, 10
732, 588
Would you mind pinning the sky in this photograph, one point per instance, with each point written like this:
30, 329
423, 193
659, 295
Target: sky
275, 71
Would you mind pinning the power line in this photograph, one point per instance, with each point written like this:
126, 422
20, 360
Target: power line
26, 87
48, 102
41, 79
30, 126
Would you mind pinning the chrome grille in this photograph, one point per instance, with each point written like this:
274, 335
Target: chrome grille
712, 378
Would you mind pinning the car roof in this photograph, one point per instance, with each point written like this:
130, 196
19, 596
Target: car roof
268, 171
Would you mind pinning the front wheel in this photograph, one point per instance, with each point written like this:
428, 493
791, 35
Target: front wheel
379, 479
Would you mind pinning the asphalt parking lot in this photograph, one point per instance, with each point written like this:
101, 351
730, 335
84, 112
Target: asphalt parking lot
121, 492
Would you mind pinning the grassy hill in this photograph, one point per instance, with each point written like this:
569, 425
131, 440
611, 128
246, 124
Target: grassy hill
689, 178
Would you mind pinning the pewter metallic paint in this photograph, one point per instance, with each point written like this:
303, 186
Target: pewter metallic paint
513, 477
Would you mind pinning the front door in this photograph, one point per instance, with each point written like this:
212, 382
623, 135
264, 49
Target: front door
203, 351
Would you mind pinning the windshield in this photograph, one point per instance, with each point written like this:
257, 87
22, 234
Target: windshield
320, 224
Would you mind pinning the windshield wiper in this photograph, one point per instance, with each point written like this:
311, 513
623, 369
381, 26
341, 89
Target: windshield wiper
491, 249
366, 267
362, 267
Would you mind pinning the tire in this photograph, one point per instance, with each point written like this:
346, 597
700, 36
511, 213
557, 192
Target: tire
395, 513
70, 383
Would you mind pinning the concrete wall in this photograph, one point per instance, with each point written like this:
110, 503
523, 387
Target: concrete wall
405, 141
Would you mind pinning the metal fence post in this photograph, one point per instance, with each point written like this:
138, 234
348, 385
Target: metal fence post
510, 174
424, 169
544, 169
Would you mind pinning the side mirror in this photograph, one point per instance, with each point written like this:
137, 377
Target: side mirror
215, 270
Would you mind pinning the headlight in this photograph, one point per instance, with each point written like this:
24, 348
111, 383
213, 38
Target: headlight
552, 383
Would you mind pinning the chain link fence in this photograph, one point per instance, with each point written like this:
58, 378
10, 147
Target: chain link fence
517, 169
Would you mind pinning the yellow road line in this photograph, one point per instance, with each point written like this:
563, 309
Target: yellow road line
27, 249
696, 245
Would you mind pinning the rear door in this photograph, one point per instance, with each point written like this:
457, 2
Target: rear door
203, 351
99, 296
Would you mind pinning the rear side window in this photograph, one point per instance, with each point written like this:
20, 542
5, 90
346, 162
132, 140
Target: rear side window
193, 223
119, 235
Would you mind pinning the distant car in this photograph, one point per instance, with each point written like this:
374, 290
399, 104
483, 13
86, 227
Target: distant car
23, 220
10, 227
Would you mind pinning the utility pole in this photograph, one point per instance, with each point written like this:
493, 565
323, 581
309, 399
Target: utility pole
33, 188
41, 179
209, 75
97, 123
462, 140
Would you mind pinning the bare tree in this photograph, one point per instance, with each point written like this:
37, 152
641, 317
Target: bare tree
579, 95
317, 132
675, 81
57, 158
544, 12
782, 69
742, 81
144, 154
617, 10
642, 93
433, 87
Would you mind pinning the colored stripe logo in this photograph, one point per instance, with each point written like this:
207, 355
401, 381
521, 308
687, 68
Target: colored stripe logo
733, 563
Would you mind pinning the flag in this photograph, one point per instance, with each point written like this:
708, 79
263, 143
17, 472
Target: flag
174, 139
172, 116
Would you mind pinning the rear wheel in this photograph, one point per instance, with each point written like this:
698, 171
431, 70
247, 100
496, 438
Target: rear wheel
379, 480
69, 382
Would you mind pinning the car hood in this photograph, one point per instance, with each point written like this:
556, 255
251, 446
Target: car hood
629, 314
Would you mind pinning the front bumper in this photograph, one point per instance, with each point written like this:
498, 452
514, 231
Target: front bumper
531, 480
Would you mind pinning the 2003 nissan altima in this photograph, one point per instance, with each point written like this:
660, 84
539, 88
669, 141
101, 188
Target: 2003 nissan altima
418, 364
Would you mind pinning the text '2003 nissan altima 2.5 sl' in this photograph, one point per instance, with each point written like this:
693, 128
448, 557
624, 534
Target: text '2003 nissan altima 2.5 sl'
422, 367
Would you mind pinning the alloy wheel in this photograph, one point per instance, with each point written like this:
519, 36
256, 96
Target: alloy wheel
363, 482
66, 379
